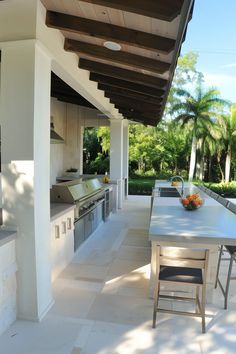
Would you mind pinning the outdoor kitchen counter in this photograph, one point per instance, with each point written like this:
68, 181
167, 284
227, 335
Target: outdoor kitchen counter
6, 236
207, 227
59, 209
211, 224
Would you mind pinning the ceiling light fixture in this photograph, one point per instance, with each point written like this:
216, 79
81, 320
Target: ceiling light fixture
112, 45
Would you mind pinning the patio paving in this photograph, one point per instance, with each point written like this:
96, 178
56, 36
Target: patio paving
102, 305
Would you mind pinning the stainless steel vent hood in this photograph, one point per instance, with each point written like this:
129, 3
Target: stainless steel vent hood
54, 137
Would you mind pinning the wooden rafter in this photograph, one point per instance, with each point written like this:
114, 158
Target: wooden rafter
119, 73
165, 10
137, 117
132, 103
128, 93
63, 92
119, 57
123, 84
127, 112
80, 101
110, 32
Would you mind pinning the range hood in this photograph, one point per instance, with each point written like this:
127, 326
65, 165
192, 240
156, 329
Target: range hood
54, 137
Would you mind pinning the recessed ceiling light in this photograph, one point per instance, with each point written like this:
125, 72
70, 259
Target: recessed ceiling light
112, 45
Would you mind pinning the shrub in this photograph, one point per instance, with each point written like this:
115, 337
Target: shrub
225, 189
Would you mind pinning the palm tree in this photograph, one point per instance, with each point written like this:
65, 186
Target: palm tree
198, 112
228, 125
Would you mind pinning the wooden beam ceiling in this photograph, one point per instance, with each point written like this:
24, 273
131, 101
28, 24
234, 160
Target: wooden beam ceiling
119, 73
132, 103
165, 10
127, 112
138, 117
63, 92
128, 93
110, 32
123, 84
120, 57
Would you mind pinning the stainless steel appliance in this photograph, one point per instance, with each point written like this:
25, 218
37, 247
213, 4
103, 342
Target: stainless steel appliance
88, 197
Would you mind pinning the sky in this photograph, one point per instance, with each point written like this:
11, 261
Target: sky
212, 33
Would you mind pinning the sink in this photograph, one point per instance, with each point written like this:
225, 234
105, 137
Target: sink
169, 192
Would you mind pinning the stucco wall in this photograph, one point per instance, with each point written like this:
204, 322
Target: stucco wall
69, 121
7, 285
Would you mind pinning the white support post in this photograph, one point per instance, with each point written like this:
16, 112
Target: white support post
80, 139
116, 157
126, 156
25, 143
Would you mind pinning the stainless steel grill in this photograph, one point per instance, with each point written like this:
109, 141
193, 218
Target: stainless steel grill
84, 194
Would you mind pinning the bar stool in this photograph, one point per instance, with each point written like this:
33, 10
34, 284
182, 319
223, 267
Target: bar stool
176, 265
231, 250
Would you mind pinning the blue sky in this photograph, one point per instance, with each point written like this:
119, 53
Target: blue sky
212, 33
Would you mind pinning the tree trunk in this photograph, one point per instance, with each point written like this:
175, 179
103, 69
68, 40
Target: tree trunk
227, 165
202, 161
221, 171
201, 172
192, 158
210, 169
198, 159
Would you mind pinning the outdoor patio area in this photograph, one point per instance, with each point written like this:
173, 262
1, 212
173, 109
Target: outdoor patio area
102, 304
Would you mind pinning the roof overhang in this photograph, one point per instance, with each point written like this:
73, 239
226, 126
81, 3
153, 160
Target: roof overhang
136, 79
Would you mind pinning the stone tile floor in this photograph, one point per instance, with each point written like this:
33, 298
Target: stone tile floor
102, 305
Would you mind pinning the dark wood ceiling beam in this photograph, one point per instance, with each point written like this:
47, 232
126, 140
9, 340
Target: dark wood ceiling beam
124, 74
119, 57
79, 100
165, 10
127, 93
133, 104
139, 105
141, 119
128, 113
110, 32
123, 84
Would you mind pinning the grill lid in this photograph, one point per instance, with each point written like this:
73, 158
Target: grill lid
73, 191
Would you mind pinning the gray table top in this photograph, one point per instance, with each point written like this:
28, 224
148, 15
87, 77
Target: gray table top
211, 224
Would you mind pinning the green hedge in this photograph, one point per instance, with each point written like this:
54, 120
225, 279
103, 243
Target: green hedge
227, 190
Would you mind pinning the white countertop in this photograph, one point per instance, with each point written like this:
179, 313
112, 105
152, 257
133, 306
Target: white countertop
6, 236
211, 224
59, 209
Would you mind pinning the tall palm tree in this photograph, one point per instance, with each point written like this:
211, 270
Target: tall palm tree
228, 125
198, 112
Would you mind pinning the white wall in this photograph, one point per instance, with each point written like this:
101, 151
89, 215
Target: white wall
58, 112
7, 285
69, 120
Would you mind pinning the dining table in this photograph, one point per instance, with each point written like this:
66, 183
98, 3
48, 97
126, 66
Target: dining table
207, 227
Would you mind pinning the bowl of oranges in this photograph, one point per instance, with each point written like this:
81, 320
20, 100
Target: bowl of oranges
192, 201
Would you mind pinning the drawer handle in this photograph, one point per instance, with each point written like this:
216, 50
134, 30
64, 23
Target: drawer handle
69, 224
57, 231
63, 227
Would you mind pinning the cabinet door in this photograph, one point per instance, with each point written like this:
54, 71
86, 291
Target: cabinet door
87, 225
99, 212
110, 201
79, 233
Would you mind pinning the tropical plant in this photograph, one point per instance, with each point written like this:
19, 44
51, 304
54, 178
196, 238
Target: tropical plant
198, 112
228, 123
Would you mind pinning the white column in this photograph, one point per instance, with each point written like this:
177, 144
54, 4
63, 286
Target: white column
125, 155
25, 125
80, 139
116, 156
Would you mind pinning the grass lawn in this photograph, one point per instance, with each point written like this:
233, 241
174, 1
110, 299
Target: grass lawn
141, 186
